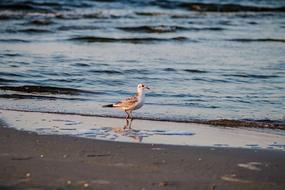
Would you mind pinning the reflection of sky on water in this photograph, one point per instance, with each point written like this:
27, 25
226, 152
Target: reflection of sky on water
160, 132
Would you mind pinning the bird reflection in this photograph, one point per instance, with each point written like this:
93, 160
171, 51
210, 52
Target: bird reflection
130, 133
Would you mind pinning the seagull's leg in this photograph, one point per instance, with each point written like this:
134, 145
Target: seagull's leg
127, 119
130, 126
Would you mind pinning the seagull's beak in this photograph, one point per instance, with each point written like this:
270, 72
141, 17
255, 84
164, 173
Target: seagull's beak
146, 87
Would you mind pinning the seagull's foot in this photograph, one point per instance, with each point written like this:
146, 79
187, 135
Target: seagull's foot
127, 128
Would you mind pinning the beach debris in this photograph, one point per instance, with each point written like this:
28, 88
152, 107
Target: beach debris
251, 166
120, 164
233, 178
28, 174
83, 183
86, 185
101, 182
157, 148
163, 184
97, 155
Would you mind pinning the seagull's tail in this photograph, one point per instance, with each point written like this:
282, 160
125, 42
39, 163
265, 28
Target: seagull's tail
108, 106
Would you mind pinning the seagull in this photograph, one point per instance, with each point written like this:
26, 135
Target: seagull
130, 104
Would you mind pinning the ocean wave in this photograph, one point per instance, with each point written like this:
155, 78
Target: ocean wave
41, 22
46, 89
127, 40
81, 65
109, 72
216, 7
14, 40
137, 71
245, 40
34, 30
11, 55
41, 5
144, 28
27, 6
257, 76
150, 13
91, 15
11, 74
152, 29
77, 27
211, 80
52, 6
211, 7
5, 81
18, 15
38, 97
246, 123
195, 71
169, 70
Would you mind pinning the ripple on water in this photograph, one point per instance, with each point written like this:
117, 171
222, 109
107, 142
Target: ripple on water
200, 59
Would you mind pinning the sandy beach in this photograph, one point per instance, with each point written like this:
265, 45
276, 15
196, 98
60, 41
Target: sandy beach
32, 161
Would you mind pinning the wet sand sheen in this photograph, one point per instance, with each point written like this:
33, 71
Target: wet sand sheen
28, 160
144, 131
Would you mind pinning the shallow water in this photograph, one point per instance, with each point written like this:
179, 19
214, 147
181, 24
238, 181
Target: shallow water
144, 131
202, 60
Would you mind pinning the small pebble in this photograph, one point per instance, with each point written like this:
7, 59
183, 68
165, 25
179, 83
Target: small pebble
86, 185
163, 183
199, 159
28, 174
68, 182
65, 156
42, 155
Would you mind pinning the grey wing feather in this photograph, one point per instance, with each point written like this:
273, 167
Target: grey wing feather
127, 102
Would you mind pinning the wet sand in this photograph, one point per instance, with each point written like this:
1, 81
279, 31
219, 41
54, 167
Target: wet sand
31, 161
144, 131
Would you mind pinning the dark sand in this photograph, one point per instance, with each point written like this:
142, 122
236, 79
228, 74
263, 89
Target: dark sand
31, 161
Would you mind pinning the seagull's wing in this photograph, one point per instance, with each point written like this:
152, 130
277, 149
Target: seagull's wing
127, 102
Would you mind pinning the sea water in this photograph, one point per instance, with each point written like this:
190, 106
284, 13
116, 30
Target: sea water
203, 60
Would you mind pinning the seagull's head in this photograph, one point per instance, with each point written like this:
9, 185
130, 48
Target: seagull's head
142, 87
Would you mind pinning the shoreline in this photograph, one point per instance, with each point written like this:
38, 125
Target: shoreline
29, 160
231, 123
144, 131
